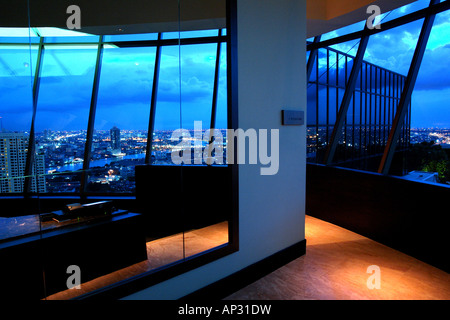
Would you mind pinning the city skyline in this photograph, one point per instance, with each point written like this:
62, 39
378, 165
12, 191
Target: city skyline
59, 156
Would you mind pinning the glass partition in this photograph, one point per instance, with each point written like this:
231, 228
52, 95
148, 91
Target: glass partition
17, 70
19, 60
373, 103
121, 120
90, 144
60, 128
428, 157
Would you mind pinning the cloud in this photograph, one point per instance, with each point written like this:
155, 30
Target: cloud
434, 72
125, 85
394, 49
430, 108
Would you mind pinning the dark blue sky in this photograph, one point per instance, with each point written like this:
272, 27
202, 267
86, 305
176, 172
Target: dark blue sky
124, 89
394, 49
126, 79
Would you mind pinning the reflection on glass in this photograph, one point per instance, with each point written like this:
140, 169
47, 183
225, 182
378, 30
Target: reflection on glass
384, 49
197, 83
130, 37
55, 86
370, 112
189, 34
406, 9
222, 100
64, 97
60, 127
431, 97
121, 121
168, 112
358, 26
17, 64
206, 221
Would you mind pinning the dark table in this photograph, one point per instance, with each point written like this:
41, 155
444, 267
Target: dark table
31, 251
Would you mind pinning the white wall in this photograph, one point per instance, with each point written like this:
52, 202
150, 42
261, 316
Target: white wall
271, 75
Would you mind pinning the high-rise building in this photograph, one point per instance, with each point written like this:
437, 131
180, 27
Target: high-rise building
115, 139
13, 153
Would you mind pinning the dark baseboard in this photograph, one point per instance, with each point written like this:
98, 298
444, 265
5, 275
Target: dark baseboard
226, 286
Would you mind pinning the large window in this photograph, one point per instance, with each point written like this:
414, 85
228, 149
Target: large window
396, 122
429, 156
121, 120
380, 131
17, 70
89, 122
369, 116
120, 103
61, 118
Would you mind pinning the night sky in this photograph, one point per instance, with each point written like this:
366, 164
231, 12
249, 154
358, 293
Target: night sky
394, 50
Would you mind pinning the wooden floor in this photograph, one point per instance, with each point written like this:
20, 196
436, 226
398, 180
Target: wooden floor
160, 252
335, 268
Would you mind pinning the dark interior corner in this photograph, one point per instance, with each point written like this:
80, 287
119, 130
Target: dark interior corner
405, 215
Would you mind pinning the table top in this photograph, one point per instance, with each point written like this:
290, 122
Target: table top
17, 227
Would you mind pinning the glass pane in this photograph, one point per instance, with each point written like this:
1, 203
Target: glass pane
322, 71
312, 105
130, 37
65, 90
334, 106
430, 96
393, 49
430, 117
168, 113
349, 47
190, 34
332, 62
311, 144
313, 77
322, 105
222, 99
342, 69
58, 32
121, 120
197, 84
357, 107
344, 30
205, 220
17, 65
20, 35
68, 103
406, 9
19, 217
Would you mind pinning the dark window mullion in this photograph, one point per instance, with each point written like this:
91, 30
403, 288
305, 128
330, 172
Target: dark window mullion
91, 121
151, 122
31, 140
